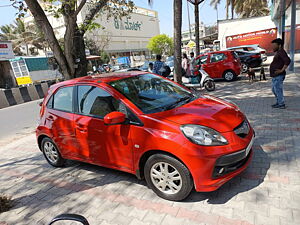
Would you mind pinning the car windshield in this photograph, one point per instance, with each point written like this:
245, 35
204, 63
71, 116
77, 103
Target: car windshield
151, 93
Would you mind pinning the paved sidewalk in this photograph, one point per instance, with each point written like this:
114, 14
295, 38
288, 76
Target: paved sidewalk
267, 193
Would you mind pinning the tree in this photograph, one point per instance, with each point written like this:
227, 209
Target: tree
72, 61
250, 8
177, 13
161, 44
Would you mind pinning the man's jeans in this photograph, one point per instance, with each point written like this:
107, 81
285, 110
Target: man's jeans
277, 88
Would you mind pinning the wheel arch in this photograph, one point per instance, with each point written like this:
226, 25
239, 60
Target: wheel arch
146, 155
40, 139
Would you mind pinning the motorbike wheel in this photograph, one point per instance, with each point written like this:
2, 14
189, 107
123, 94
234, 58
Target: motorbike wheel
210, 85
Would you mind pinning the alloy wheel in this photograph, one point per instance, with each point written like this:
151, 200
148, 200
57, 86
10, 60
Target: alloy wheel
229, 76
51, 152
166, 178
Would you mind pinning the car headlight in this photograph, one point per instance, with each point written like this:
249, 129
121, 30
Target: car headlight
202, 135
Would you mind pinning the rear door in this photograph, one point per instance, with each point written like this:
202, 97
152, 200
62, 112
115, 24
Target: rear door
216, 64
59, 119
108, 145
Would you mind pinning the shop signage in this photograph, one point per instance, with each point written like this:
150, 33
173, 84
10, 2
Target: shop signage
6, 51
262, 37
128, 24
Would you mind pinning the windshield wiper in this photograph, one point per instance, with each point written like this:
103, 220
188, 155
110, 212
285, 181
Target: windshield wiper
180, 100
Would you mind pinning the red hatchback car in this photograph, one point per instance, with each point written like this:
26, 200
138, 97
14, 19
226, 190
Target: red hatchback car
220, 64
146, 125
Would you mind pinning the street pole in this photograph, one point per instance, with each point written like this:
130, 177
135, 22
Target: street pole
197, 29
292, 34
188, 10
283, 22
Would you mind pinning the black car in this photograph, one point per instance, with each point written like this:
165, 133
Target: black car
249, 59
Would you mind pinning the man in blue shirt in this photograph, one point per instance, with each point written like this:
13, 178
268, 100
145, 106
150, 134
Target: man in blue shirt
158, 64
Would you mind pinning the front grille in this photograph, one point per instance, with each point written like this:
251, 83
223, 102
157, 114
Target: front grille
229, 163
243, 129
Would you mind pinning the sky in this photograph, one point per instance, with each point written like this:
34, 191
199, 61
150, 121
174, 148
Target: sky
164, 8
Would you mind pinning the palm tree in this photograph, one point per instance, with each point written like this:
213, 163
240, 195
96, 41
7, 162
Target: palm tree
229, 3
250, 8
177, 12
7, 32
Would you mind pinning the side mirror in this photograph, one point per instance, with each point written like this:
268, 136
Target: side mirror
114, 118
72, 217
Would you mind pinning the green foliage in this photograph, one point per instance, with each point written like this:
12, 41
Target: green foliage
161, 44
104, 57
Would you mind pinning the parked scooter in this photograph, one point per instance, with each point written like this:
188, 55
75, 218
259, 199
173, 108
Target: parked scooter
201, 79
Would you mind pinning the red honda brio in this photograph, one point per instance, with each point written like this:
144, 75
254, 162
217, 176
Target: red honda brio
220, 64
149, 126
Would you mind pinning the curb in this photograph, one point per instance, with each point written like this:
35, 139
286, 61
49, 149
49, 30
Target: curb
19, 95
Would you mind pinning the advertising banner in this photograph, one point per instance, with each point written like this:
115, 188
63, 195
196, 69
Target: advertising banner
263, 38
6, 51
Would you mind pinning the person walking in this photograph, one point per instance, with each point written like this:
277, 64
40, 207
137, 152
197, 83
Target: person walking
192, 63
277, 71
185, 64
158, 65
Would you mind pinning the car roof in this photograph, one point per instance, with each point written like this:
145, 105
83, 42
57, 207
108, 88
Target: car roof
100, 78
241, 46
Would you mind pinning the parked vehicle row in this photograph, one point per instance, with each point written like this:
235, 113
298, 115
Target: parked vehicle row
251, 49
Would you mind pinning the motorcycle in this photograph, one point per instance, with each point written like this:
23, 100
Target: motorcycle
201, 79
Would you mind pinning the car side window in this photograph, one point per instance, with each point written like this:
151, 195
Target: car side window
202, 60
217, 57
95, 101
63, 99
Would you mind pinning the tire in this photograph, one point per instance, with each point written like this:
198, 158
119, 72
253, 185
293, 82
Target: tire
159, 181
229, 75
51, 153
244, 68
210, 85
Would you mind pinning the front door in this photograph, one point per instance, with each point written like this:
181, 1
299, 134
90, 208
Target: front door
216, 64
108, 145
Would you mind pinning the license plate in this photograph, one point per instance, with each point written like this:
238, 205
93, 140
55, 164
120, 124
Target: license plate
249, 146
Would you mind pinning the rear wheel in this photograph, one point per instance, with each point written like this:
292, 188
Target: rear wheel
210, 85
244, 68
168, 177
229, 75
51, 153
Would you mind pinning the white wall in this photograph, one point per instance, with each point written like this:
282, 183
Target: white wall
41, 75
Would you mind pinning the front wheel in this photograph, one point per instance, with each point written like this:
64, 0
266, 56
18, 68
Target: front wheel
168, 177
229, 75
210, 85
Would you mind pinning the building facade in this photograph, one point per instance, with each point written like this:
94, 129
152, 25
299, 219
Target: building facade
128, 36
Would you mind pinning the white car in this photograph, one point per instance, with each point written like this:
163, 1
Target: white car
251, 48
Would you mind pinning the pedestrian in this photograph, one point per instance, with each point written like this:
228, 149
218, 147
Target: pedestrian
185, 64
192, 63
150, 68
277, 72
158, 65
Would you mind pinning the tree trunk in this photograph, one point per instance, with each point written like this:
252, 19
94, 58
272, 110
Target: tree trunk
70, 22
197, 29
80, 56
227, 9
177, 40
43, 23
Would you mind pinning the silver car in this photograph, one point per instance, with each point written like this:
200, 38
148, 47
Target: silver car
251, 48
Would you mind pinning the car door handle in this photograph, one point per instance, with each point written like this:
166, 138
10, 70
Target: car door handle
51, 118
81, 128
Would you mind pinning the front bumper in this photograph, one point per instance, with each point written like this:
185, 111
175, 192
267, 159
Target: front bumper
217, 165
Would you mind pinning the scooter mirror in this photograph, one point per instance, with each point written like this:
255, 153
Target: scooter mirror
70, 217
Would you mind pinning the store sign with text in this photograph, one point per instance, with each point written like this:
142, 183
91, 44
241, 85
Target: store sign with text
6, 51
128, 24
263, 38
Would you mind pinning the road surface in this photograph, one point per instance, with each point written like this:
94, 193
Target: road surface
18, 119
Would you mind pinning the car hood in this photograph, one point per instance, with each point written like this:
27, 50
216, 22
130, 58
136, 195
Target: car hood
207, 111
